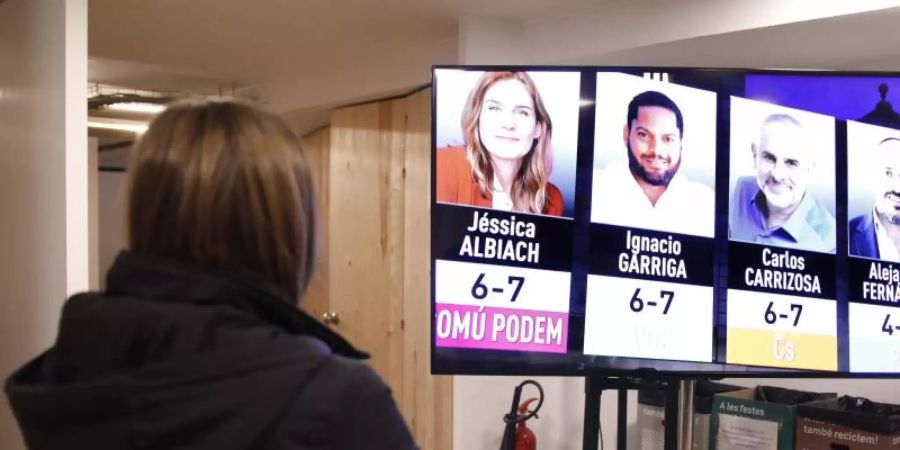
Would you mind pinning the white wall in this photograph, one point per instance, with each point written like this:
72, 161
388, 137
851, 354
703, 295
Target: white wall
93, 192
111, 220
43, 79
479, 403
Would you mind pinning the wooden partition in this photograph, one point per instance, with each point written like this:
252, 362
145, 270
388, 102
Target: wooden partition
374, 169
317, 147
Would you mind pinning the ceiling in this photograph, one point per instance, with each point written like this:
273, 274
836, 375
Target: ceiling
241, 42
864, 41
305, 57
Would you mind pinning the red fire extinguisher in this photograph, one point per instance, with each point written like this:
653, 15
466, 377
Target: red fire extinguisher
525, 439
516, 435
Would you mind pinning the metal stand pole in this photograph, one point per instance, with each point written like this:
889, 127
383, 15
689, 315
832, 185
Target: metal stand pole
594, 386
670, 441
622, 420
686, 414
592, 391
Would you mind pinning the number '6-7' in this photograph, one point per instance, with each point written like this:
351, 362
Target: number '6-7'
637, 303
480, 290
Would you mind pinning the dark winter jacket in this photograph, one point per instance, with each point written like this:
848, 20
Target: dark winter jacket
173, 357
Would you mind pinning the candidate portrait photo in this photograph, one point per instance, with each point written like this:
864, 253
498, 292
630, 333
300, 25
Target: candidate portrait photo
654, 155
873, 191
782, 175
507, 140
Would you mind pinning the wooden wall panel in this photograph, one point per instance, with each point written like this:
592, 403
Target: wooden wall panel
394, 130
365, 225
318, 148
428, 399
377, 172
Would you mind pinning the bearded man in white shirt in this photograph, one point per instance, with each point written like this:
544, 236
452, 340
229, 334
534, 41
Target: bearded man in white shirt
649, 192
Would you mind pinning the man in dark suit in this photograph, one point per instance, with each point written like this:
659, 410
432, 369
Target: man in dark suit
862, 236
876, 234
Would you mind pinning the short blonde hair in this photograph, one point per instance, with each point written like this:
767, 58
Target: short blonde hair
226, 186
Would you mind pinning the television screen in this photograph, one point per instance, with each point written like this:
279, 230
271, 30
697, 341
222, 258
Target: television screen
682, 221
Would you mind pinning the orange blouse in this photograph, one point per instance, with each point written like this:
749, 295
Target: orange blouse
455, 183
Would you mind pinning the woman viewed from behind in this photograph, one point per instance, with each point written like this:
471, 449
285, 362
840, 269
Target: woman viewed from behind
197, 342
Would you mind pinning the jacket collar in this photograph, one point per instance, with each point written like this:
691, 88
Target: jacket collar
165, 280
867, 228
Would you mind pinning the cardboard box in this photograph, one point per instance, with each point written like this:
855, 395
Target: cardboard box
763, 418
650, 423
848, 423
703, 403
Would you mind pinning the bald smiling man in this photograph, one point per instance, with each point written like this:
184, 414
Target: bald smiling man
775, 207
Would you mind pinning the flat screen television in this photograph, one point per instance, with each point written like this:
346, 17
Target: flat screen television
679, 221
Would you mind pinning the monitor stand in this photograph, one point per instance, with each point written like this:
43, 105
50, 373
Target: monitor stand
595, 384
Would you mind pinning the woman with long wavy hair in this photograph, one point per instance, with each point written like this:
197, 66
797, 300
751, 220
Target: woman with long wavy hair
507, 158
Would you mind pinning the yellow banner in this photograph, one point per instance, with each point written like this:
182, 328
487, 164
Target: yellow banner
781, 349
